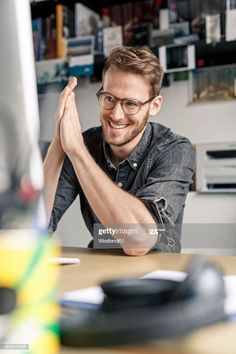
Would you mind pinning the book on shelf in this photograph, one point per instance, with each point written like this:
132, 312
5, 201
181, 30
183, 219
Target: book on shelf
127, 15
112, 38
85, 20
142, 34
80, 51
37, 38
213, 34
44, 37
138, 12
181, 28
149, 13
68, 21
230, 30
49, 33
116, 15
164, 19
98, 40
60, 46
64, 27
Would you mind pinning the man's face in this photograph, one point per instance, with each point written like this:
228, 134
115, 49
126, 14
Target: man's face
120, 128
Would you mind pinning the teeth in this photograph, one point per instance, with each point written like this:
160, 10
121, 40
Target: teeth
118, 126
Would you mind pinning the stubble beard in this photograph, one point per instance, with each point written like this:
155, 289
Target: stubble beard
127, 139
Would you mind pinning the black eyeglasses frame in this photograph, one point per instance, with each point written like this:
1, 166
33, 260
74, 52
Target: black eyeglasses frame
122, 100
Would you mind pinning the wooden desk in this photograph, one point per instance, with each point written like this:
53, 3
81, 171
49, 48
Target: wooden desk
100, 265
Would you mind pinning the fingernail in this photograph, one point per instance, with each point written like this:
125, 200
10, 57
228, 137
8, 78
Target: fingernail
72, 78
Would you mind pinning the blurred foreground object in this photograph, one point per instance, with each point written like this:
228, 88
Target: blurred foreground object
24, 267
28, 316
21, 175
138, 310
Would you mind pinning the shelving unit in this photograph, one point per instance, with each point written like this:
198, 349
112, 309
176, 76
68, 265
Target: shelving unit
42, 8
146, 25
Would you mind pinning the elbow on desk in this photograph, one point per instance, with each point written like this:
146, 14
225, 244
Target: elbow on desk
140, 244
136, 251
139, 247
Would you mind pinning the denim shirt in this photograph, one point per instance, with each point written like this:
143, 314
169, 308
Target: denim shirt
158, 172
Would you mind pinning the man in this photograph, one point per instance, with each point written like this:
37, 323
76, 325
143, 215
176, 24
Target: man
128, 171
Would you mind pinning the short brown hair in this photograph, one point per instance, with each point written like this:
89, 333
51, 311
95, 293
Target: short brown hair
138, 60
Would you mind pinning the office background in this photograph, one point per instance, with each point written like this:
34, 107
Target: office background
210, 219
201, 123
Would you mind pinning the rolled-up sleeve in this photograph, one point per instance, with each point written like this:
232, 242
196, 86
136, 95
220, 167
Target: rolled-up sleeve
166, 187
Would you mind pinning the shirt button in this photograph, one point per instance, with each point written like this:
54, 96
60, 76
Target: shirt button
120, 184
135, 164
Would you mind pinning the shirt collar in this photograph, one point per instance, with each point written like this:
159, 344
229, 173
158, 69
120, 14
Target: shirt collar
107, 156
136, 156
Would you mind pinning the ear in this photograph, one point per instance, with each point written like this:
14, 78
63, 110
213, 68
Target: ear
155, 105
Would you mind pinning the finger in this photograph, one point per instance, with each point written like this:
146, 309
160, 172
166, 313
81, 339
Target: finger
71, 105
72, 95
64, 95
72, 82
68, 103
67, 91
72, 99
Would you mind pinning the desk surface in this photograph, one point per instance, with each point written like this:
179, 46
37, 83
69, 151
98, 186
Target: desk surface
100, 265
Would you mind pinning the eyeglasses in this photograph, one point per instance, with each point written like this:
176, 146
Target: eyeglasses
129, 105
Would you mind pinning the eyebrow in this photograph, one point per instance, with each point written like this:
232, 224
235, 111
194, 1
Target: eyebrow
121, 99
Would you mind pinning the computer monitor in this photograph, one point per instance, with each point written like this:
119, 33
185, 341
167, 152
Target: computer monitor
20, 162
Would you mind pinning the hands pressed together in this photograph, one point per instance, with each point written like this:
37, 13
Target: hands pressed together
67, 128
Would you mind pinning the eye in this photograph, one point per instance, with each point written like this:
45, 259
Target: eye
131, 104
109, 99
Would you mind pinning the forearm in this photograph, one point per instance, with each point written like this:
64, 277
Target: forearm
52, 168
111, 204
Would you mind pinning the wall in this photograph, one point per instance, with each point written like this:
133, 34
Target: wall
210, 219
210, 224
201, 123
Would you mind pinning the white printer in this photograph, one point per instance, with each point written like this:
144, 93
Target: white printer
216, 167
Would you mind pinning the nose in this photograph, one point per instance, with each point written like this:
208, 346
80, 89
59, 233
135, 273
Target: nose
117, 112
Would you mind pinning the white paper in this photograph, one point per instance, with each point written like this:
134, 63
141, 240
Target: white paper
212, 28
230, 30
164, 19
166, 274
64, 260
84, 18
230, 286
112, 38
92, 295
230, 298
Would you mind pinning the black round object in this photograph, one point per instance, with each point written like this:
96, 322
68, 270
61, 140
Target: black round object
132, 292
137, 310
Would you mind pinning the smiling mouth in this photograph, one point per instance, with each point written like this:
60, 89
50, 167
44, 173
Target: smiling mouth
117, 126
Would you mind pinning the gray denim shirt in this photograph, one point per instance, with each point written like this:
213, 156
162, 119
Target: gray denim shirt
158, 172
